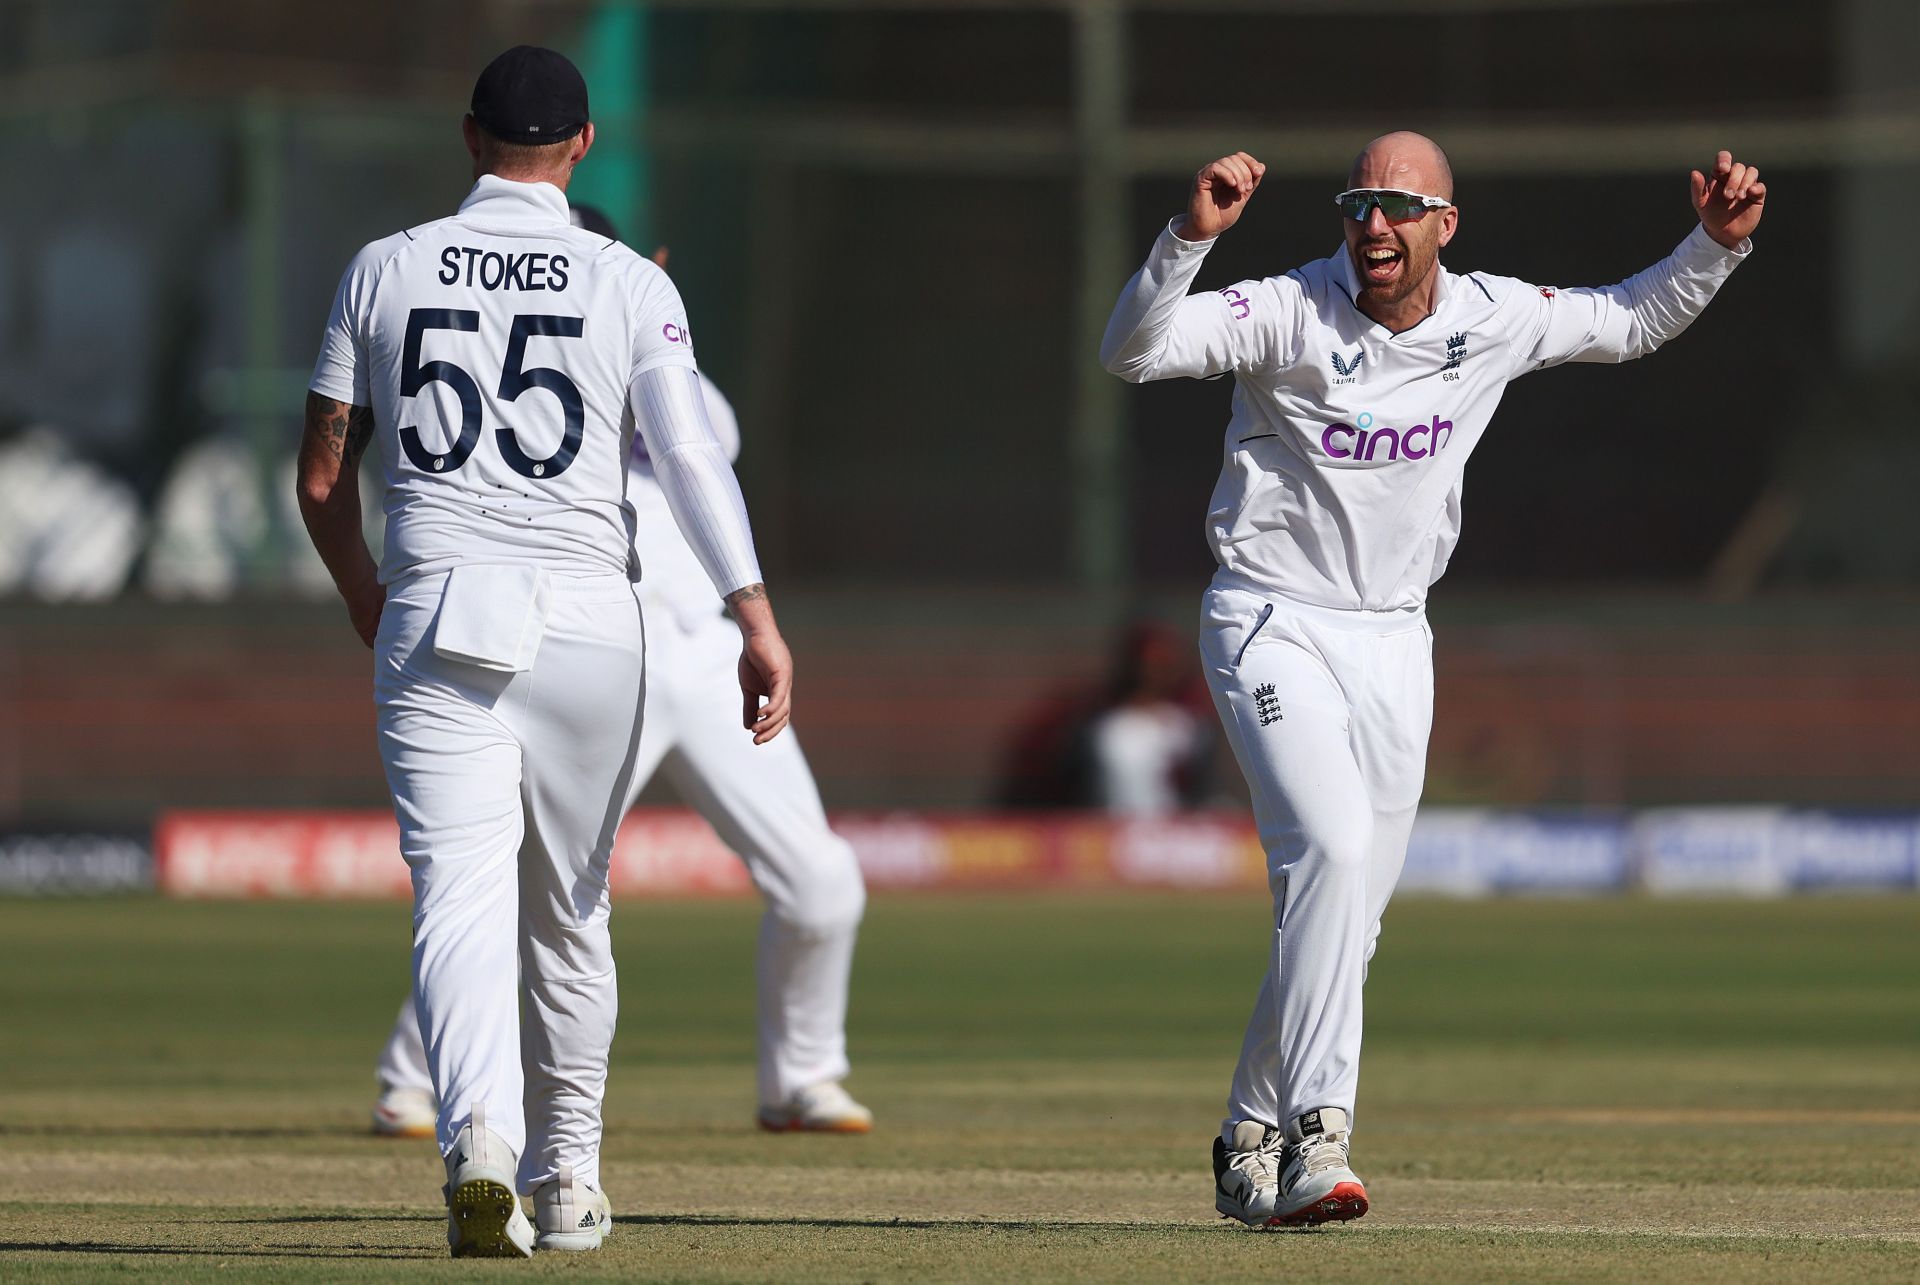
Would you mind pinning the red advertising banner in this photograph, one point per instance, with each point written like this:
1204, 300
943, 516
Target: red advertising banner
662, 851
1461, 852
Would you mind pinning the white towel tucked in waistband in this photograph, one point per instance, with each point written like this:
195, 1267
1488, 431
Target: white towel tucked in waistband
493, 616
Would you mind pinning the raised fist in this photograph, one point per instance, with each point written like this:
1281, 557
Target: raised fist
1220, 192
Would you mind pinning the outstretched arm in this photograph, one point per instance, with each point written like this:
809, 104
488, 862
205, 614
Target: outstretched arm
1158, 330
1621, 322
329, 491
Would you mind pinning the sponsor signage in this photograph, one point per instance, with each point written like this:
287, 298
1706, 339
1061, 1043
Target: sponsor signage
1453, 851
45, 864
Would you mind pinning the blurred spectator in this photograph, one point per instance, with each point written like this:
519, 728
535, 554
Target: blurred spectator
69, 531
214, 529
1140, 745
1148, 745
209, 516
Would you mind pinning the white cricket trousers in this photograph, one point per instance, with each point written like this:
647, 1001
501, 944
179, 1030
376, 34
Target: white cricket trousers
763, 803
508, 788
1328, 713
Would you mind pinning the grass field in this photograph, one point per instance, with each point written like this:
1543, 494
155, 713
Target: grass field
1592, 1090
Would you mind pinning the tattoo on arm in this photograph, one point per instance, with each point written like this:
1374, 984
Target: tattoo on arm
342, 429
747, 594
359, 433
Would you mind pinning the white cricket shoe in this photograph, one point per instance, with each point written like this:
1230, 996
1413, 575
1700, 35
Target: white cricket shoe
1246, 1169
405, 1113
483, 1212
1316, 1186
570, 1215
823, 1108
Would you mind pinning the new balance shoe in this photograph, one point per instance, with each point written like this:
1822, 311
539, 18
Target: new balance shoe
405, 1113
570, 1215
824, 1108
1316, 1186
1246, 1169
483, 1212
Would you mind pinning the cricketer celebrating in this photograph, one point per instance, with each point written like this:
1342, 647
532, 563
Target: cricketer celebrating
1362, 383
503, 359
762, 800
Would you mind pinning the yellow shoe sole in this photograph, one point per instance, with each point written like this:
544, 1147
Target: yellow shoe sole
480, 1210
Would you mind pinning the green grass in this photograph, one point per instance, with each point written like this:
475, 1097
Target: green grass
1553, 1090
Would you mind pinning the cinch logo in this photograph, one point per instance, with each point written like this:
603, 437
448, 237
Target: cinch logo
1360, 440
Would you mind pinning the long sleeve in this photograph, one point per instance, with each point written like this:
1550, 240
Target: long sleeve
1619, 322
1159, 331
691, 467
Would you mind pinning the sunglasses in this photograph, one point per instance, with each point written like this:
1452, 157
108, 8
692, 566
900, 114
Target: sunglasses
1395, 206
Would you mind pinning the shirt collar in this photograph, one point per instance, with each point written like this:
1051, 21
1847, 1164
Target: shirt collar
504, 201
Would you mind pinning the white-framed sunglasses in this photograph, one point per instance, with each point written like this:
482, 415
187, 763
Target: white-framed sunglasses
1396, 206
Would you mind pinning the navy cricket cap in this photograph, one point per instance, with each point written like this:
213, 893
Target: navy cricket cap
530, 95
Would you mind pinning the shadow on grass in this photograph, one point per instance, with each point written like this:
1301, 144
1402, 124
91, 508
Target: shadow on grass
937, 1224
214, 1251
181, 1132
294, 1220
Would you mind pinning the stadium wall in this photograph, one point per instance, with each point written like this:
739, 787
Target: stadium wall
111, 714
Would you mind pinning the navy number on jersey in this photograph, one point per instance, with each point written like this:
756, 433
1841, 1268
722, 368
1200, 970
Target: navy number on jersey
416, 375
514, 381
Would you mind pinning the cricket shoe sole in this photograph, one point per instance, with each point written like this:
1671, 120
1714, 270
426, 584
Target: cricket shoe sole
484, 1221
791, 1124
1344, 1202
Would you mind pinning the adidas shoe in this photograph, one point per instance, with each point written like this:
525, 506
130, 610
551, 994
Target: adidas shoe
483, 1213
824, 1108
405, 1113
570, 1215
1246, 1172
1316, 1186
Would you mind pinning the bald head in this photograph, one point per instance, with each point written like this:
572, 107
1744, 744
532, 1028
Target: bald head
1405, 160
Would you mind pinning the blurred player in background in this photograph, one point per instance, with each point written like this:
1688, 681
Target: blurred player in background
503, 358
762, 801
1362, 383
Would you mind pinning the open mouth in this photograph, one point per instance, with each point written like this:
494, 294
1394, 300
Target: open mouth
1380, 263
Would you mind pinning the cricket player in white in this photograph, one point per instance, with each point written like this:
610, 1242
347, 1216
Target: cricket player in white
503, 358
763, 802
1362, 383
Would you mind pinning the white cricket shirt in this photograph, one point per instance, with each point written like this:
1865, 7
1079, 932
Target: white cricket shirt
670, 574
501, 350
1341, 474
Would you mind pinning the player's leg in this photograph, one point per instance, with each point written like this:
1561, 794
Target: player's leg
1288, 722
406, 1107
1393, 716
582, 719
764, 804
453, 766
454, 770
659, 726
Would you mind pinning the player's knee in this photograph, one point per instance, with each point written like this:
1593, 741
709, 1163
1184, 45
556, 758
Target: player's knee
831, 898
1337, 848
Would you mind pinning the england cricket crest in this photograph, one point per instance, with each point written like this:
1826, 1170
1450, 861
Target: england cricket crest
1266, 704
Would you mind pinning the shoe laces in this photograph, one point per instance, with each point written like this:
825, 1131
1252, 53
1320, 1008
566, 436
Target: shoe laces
1321, 1152
1262, 1163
